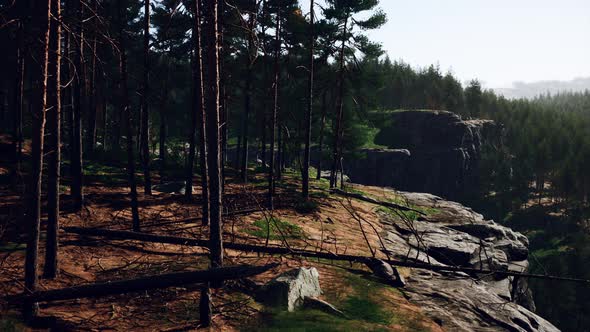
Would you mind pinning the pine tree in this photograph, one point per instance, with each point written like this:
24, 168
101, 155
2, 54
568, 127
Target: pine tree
54, 142
41, 17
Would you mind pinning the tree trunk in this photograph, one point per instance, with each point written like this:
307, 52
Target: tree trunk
248, 92
213, 133
42, 17
146, 283
126, 111
163, 120
199, 118
145, 123
54, 142
92, 100
336, 152
19, 94
306, 157
321, 140
223, 92
273, 121
280, 152
79, 103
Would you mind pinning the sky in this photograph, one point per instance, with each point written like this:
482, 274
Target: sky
496, 41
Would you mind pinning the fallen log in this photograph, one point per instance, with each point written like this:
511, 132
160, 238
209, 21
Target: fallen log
145, 237
374, 201
142, 284
275, 250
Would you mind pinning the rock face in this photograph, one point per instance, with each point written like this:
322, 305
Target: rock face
289, 290
455, 235
430, 151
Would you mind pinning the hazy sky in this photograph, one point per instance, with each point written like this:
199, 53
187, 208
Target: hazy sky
497, 41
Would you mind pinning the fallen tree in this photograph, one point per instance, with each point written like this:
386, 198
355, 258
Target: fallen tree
275, 250
142, 284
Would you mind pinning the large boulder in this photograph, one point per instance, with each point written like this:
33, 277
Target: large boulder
289, 290
427, 151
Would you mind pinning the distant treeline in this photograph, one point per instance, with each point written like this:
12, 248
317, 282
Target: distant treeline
546, 147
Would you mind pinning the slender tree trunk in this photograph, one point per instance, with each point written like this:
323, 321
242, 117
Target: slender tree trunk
92, 100
211, 12
238, 152
145, 122
126, 111
163, 120
213, 133
248, 90
19, 95
199, 116
273, 121
54, 142
340, 107
321, 139
280, 152
79, 103
190, 159
306, 157
223, 91
42, 14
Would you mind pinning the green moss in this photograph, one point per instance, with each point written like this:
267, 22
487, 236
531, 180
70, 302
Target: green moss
360, 298
277, 226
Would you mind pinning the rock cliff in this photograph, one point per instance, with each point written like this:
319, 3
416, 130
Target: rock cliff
452, 234
429, 151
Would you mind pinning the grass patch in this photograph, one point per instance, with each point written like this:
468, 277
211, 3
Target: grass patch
361, 299
277, 226
362, 308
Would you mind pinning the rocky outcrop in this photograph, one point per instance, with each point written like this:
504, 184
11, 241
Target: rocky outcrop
455, 235
429, 151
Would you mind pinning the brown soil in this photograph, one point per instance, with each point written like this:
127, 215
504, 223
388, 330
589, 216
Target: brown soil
87, 260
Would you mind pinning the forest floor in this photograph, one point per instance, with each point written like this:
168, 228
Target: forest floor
369, 305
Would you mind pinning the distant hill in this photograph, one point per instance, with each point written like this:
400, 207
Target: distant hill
534, 89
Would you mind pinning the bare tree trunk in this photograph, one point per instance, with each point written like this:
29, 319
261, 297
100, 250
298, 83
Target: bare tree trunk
79, 103
281, 151
190, 158
54, 142
163, 120
273, 121
340, 107
92, 100
42, 14
145, 123
199, 117
19, 95
223, 92
322, 128
306, 157
211, 12
248, 90
213, 133
126, 111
